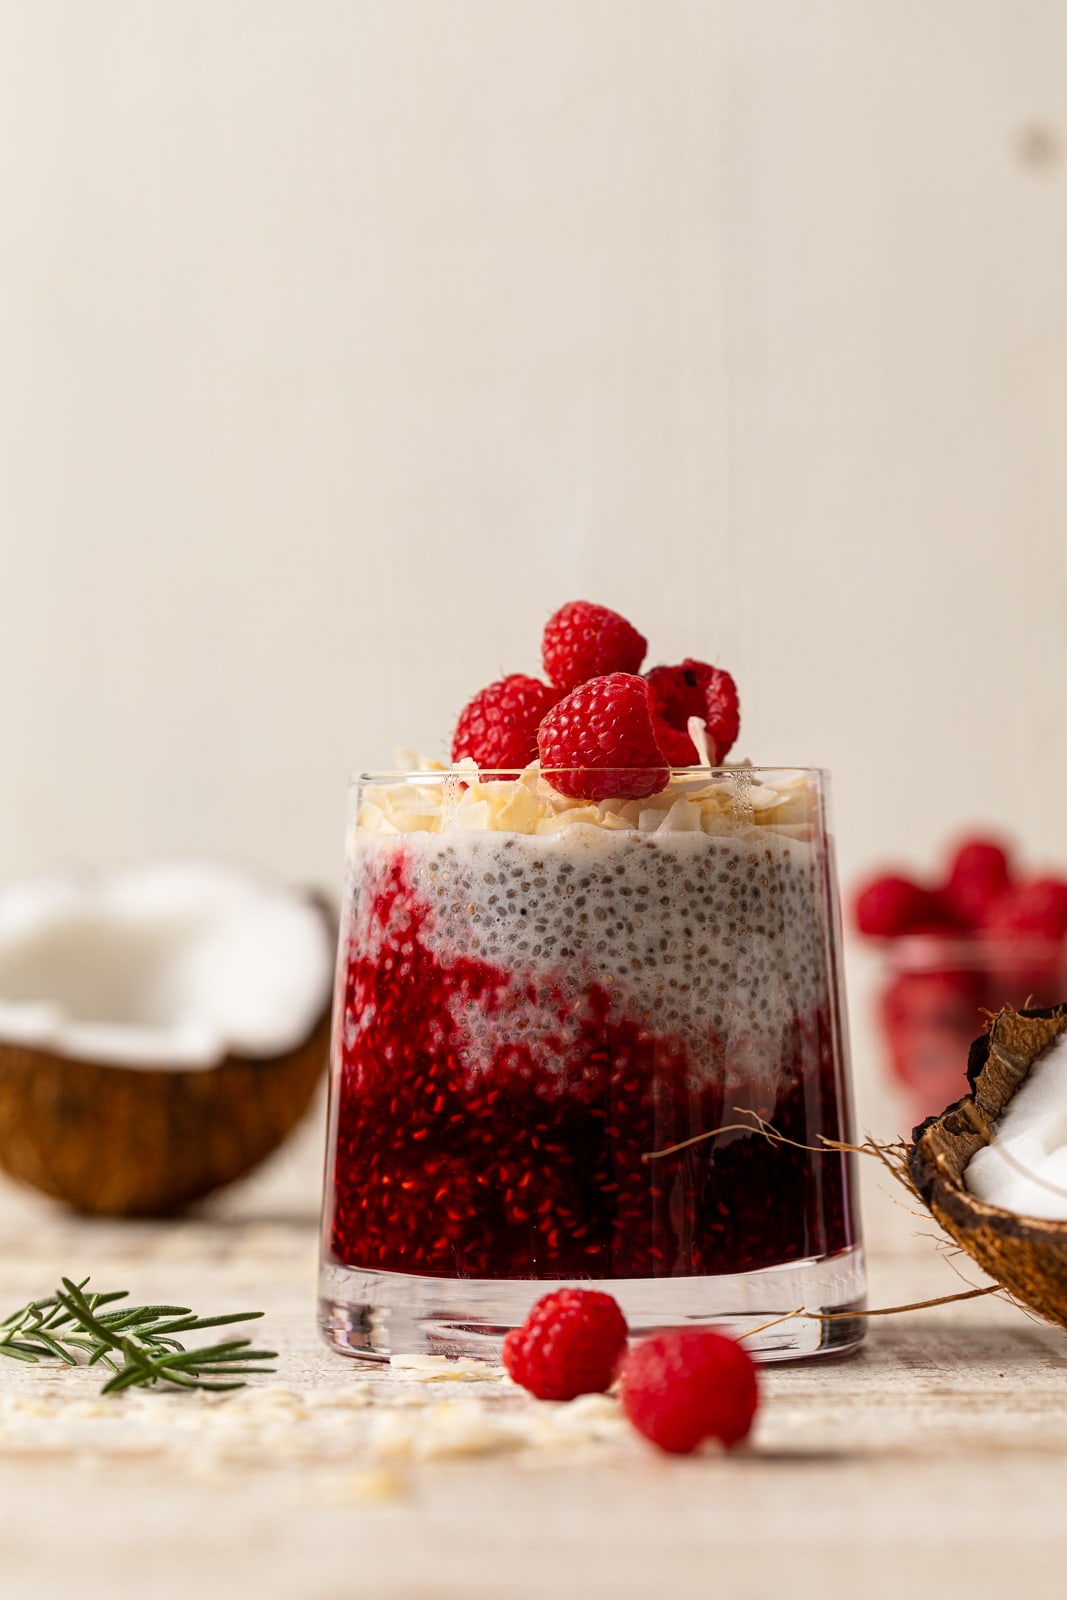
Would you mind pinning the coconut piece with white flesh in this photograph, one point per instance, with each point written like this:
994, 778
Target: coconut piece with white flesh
1024, 1169
162, 1028
1025, 1250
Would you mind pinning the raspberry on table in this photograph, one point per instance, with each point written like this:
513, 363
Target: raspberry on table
583, 641
570, 1344
498, 728
680, 1388
693, 689
598, 742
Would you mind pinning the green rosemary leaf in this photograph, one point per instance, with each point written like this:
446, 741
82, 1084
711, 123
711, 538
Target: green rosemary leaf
232, 1370
126, 1378
19, 1352
138, 1314
205, 1357
188, 1324
55, 1347
101, 1353
72, 1326
99, 1300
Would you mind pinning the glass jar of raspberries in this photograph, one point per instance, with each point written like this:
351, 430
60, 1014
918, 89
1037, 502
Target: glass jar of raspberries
985, 935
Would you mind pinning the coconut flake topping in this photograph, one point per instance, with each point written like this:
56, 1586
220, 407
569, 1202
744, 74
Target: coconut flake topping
1025, 1168
694, 800
174, 964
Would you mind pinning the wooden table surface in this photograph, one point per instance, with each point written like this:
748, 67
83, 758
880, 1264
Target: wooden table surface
934, 1462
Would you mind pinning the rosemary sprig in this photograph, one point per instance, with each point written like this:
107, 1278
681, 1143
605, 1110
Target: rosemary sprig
137, 1343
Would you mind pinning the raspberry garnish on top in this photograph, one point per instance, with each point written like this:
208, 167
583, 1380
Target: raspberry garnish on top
583, 641
598, 743
498, 728
680, 1388
693, 689
570, 1344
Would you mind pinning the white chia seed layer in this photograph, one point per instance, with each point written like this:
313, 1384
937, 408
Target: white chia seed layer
694, 934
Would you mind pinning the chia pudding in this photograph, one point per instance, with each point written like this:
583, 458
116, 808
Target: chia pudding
563, 1030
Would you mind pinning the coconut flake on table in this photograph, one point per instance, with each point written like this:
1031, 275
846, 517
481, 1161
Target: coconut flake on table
1024, 1169
170, 964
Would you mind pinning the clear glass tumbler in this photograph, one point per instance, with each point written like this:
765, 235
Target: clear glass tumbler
566, 1039
936, 995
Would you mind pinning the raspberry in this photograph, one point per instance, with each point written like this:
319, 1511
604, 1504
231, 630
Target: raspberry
978, 877
930, 1019
889, 906
1038, 908
498, 728
695, 689
570, 1344
583, 641
681, 1388
598, 743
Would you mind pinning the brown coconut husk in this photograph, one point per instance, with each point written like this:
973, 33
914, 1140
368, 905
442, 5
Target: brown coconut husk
125, 1142
1027, 1255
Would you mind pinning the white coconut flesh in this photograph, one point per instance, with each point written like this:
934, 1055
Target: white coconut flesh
171, 965
1024, 1169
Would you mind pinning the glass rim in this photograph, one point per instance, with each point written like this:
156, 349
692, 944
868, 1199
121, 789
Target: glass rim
510, 774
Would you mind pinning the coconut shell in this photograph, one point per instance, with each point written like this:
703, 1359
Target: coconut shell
1028, 1255
127, 1142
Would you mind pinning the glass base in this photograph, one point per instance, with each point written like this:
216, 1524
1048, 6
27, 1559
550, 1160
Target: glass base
377, 1315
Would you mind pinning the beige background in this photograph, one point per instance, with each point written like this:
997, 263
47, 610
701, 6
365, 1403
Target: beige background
340, 343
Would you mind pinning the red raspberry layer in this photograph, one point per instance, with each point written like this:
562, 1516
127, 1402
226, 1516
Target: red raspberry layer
583, 640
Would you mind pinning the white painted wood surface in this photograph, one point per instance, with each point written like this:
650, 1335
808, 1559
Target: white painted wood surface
340, 343
932, 1460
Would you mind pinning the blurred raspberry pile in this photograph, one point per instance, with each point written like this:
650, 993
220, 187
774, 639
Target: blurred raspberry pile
983, 935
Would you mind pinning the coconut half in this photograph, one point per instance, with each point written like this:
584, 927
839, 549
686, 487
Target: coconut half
162, 1028
1027, 1254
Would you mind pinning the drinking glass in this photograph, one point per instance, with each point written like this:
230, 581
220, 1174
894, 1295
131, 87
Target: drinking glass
936, 994
598, 1045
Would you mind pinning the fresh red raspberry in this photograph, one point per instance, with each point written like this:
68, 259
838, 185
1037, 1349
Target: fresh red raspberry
598, 743
570, 1344
1037, 908
678, 748
930, 1019
585, 641
890, 906
683, 1387
498, 728
694, 689
978, 876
